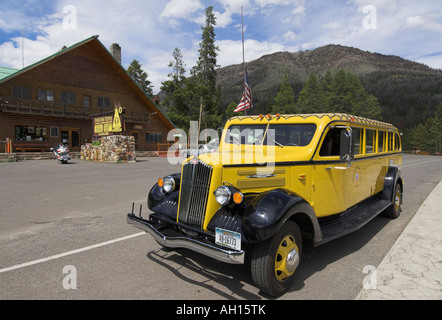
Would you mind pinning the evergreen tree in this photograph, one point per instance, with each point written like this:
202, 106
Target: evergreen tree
205, 72
229, 111
140, 76
178, 66
178, 93
312, 97
285, 99
343, 93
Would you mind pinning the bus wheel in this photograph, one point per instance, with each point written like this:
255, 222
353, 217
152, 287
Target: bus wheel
274, 261
394, 210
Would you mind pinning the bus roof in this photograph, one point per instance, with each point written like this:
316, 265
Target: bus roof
309, 118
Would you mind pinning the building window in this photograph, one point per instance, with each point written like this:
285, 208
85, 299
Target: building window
103, 102
68, 97
45, 95
154, 137
21, 92
54, 132
30, 133
86, 102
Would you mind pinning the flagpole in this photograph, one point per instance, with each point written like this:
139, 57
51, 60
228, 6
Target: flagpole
243, 58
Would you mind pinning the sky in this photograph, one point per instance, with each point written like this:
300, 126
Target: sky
150, 30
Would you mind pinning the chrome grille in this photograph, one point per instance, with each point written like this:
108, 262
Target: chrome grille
195, 184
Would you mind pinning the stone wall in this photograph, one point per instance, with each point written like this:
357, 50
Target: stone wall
111, 149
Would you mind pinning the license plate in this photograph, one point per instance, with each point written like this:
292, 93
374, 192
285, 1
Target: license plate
229, 239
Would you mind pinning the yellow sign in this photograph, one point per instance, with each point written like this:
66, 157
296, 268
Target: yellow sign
116, 124
106, 125
103, 126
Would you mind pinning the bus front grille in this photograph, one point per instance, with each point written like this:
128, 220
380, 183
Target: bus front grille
195, 184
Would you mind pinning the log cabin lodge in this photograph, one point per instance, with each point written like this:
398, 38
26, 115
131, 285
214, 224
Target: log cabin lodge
54, 100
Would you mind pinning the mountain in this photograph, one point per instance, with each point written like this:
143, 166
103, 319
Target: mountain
407, 91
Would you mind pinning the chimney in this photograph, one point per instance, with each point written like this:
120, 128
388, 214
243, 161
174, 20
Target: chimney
115, 50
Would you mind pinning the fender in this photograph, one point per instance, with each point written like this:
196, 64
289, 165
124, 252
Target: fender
261, 215
392, 177
157, 195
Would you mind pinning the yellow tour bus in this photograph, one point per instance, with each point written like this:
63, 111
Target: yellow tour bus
276, 181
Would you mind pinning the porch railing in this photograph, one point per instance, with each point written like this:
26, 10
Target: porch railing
48, 108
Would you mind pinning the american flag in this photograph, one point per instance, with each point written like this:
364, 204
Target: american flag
246, 100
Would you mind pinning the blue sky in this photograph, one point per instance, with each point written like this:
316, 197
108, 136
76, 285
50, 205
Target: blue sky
149, 30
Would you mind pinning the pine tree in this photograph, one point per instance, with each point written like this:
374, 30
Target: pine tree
178, 66
229, 111
312, 98
285, 99
140, 76
177, 100
205, 72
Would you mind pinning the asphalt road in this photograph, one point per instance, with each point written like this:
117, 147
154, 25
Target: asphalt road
63, 235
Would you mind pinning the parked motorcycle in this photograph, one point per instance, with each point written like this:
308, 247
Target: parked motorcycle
62, 153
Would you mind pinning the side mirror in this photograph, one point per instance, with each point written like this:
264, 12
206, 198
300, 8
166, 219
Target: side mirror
346, 152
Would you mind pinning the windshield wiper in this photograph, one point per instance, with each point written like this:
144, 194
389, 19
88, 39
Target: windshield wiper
277, 143
234, 140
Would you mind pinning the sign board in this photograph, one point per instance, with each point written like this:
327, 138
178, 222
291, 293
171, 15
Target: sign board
105, 125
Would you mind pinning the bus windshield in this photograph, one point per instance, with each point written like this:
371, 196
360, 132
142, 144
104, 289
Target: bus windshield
296, 135
246, 134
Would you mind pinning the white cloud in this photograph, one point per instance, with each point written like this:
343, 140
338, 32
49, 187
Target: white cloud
427, 22
289, 35
332, 25
231, 51
181, 9
149, 30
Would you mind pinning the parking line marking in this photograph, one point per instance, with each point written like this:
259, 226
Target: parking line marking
416, 164
27, 264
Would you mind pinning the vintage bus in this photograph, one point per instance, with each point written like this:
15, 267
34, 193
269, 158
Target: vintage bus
276, 181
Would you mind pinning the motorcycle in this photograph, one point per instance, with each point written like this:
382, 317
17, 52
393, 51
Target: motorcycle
62, 153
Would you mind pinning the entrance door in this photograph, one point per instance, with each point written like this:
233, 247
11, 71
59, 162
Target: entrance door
135, 134
331, 183
71, 137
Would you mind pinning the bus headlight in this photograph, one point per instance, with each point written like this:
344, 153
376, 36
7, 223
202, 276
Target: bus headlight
168, 184
225, 194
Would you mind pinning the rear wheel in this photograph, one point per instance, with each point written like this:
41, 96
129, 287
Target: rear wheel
394, 210
274, 261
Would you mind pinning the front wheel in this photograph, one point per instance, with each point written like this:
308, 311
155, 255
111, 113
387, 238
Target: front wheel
274, 261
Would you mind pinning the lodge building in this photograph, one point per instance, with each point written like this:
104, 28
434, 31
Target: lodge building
56, 98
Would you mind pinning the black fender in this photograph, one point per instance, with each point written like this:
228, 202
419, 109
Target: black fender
261, 215
392, 177
269, 211
157, 195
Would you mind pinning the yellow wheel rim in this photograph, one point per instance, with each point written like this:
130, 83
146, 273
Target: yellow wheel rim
287, 258
397, 200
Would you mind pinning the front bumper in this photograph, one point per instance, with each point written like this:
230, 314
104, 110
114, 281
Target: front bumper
213, 251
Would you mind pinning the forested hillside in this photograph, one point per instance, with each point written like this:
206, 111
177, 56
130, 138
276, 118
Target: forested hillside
332, 78
408, 93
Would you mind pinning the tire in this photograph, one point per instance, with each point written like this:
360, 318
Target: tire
269, 267
394, 210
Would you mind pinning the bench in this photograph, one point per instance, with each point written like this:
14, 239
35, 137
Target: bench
29, 146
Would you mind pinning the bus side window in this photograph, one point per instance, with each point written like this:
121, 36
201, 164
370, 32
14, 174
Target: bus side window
357, 140
381, 145
397, 142
331, 145
390, 141
369, 143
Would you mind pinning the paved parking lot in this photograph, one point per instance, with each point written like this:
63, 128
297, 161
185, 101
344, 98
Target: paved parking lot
61, 223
